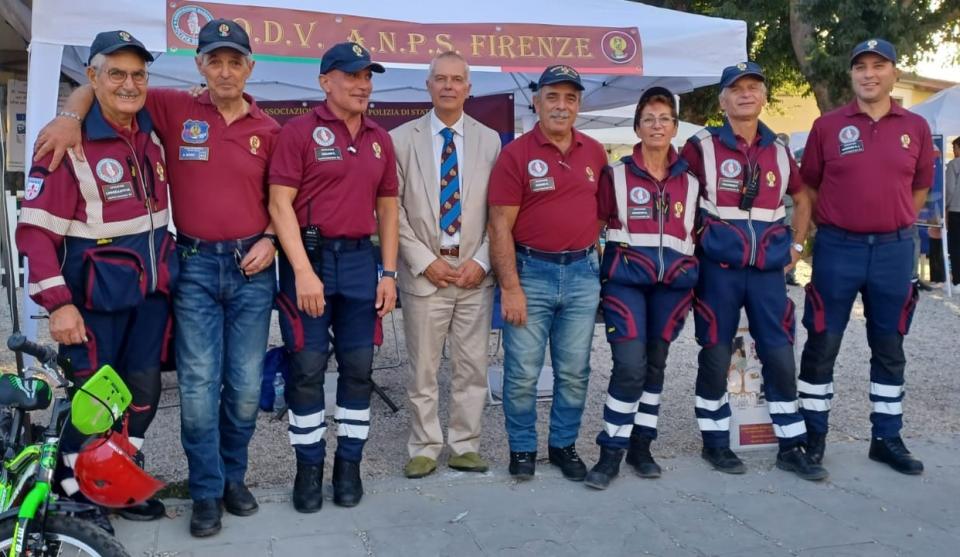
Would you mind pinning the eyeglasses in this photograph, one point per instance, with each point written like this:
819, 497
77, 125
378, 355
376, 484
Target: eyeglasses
119, 77
664, 121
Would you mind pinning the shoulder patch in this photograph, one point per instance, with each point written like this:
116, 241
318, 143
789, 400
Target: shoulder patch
32, 188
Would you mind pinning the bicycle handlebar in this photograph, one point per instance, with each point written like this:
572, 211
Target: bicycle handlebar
47, 355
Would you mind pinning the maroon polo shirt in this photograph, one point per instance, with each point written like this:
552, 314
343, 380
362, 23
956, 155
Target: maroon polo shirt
339, 178
865, 171
218, 172
556, 192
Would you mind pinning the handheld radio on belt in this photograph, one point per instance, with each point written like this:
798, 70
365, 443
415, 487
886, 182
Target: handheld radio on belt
750, 187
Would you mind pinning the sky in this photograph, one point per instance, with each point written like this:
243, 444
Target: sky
940, 66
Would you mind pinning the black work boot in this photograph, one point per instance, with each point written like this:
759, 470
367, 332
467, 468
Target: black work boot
605, 469
796, 460
205, 520
238, 500
347, 487
724, 460
816, 445
893, 452
151, 509
523, 464
308, 488
569, 462
639, 457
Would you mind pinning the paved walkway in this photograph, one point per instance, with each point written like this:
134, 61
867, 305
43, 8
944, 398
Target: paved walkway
863, 509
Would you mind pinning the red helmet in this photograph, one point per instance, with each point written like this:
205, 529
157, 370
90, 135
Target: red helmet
109, 476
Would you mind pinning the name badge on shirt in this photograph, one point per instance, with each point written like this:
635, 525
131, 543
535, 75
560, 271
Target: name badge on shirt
852, 147
640, 213
194, 153
542, 184
116, 192
324, 154
729, 184
850, 141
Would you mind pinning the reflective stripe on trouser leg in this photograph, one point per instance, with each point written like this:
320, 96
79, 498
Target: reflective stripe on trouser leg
815, 386
305, 399
352, 415
623, 393
645, 421
712, 408
886, 385
780, 389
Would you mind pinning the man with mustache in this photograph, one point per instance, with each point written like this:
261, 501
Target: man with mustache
870, 166
333, 183
543, 229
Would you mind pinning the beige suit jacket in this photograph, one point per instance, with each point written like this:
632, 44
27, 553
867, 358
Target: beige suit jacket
420, 199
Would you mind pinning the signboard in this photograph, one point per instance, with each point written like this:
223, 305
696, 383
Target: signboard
750, 423
286, 34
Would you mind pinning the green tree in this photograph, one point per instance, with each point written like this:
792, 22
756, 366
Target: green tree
805, 44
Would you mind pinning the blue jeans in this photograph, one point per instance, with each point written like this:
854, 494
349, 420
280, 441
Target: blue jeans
562, 305
222, 324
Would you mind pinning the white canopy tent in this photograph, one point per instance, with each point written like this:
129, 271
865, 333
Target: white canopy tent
614, 126
679, 50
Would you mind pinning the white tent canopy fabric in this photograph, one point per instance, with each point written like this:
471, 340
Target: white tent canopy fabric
942, 111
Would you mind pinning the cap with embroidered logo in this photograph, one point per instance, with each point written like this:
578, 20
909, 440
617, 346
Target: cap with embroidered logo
111, 41
223, 33
560, 73
732, 73
879, 47
348, 57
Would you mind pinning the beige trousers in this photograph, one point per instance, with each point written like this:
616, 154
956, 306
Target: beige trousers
463, 316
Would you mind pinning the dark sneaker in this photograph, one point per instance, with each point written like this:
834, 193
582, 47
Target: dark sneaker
607, 468
151, 509
891, 451
724, 460
238, 500
347, 487
523, 465
639, 457
816, 446
308, 488
569, 462
205, 520
796, 460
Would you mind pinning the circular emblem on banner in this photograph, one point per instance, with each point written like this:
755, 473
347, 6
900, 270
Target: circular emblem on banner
110, 171
640, 196
187, 21
323, 136
537, 168
619, 47
731, 168
849, 134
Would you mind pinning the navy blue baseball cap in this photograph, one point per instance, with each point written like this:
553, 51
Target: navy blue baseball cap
560, 73
223, 33
112, 41
879, 47
348, 57
732, 73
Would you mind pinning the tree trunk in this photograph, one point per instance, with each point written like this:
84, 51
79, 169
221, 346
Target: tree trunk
803, 42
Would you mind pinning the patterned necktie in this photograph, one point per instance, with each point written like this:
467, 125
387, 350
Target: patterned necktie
449, 185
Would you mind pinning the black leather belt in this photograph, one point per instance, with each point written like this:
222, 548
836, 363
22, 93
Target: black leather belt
560, 257
870, 238
221, 246
341, 244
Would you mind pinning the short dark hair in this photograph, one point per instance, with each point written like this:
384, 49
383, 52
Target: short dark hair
656, 97
956, 142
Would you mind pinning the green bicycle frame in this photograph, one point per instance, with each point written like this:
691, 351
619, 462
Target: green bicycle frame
17, 467
38, 495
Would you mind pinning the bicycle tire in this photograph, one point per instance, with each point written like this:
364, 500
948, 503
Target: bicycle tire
82, 538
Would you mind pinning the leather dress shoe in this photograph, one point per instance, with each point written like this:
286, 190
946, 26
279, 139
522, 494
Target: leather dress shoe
308, 488
893, 452
347, 487
724, 460
205, 520
238, 500
569, 462
523, 464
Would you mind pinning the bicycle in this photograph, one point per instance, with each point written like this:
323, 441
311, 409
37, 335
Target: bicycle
34, 521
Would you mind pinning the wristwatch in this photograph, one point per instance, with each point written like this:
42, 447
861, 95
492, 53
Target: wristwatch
798, 248
272, 238
388, 274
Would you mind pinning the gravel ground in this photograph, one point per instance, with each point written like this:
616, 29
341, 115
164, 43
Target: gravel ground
931, 409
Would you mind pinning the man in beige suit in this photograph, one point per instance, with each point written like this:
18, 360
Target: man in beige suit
443, 161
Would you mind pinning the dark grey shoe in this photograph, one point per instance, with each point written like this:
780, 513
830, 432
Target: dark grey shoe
308, 488
238, 500
724, 460
893, 452
639, 457
569, 462
205, 520
816, 446
605, 470
347, 486
796, 460
523, 464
